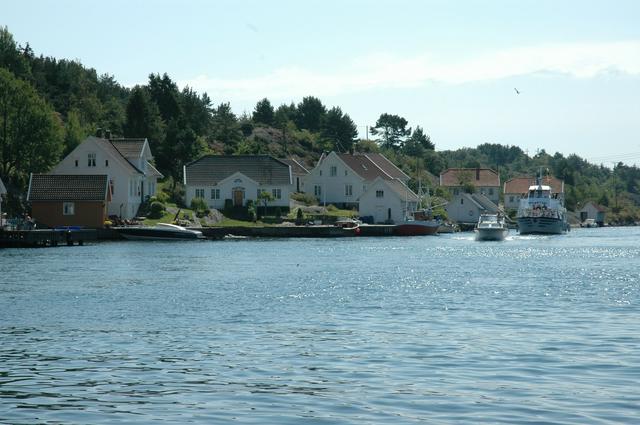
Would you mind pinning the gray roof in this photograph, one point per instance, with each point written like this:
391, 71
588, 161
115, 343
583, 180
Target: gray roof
297, 169
370, 166
402, 190
211, 169
129, 148
65, 187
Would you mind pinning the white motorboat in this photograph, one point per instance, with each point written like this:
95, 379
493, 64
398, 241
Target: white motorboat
491, 227
161, 231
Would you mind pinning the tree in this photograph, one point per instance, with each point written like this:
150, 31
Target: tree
419, 138
310, 113
31, 133
265, 197
181, 145
339, 130
164, 92
225, 128
263, 112
392, 129
143, 118
10, 56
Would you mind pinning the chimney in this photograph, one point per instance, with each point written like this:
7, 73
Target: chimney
99, 132
108, 134
477, 174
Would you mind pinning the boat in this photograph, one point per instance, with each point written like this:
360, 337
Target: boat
448, 228
418, 223
541, 213
161, 231
589, 223
491, 227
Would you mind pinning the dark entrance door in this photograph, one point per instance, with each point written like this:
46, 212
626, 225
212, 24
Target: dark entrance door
238, 197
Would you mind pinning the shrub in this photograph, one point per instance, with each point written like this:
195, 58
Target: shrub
198, 204
156, 210
331, 207
304, 198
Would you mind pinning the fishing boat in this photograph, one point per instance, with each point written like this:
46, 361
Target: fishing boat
491, 227
540, 212
420, 222
161, 231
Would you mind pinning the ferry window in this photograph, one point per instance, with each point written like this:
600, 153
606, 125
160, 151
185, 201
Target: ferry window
68, 208
333, 171
379, 193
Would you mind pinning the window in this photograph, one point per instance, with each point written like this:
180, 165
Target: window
277, 193
333, 171
461, 201
258, 192
345, 172
215, 193
490, 191
317, 190
379, 193
320, 172
76, 162
106, 162
68, 208
91, 160
348, 190
200, 193
112, 186
510, 198
456, 191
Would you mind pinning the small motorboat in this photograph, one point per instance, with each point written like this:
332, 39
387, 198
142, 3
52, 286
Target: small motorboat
161, 231
491, 227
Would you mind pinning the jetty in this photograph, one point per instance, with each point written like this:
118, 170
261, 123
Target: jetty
45, 237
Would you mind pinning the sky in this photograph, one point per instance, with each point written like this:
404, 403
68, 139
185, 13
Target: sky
450, 67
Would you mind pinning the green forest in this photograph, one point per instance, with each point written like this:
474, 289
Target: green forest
49, 105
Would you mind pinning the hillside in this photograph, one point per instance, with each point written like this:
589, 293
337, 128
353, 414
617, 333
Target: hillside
48, 105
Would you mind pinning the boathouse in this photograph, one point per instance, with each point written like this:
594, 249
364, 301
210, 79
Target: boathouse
60, 200
593, 211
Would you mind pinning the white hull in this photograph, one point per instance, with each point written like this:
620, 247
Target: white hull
497, 234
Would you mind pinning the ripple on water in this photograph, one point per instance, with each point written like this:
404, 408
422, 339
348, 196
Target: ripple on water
388, 330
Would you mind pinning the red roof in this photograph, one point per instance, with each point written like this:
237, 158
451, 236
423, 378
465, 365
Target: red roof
480, 177
521, 184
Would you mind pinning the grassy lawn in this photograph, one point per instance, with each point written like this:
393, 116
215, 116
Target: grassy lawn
229, 222
332, 212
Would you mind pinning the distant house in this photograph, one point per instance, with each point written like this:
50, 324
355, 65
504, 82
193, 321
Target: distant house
517, 188
127, 162
341, 179
593, 211
238, 178
387, 201
69, 200
298, 172
484, 181
467, 207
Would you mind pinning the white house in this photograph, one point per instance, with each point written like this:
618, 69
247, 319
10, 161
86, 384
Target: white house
239, 178
517, 188
341, 179
484, 181
299, 173
132, 177
467, 207
387, 201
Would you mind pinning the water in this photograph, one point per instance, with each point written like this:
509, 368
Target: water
537, 329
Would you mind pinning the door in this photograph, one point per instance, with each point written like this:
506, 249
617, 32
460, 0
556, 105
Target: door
238, 197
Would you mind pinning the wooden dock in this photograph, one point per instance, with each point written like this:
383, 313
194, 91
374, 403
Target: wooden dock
45, 237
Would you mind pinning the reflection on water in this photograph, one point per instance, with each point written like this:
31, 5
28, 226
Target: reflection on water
389, 330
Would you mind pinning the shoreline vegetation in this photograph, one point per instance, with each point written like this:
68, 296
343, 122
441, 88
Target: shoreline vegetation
49, 105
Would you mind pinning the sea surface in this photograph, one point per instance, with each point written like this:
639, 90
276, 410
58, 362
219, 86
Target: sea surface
439, 330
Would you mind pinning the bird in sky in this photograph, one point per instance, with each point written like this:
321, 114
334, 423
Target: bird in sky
516, 90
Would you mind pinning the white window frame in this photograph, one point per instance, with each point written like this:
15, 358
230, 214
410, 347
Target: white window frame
68, 208
317, 190
379, 193
348, 190
199, 193
277, 193
215, 193
333, 171
91, 159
